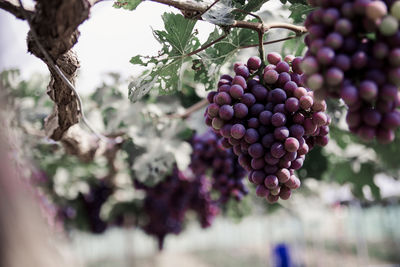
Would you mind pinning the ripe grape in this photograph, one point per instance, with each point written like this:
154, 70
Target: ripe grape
226, 173
343, 62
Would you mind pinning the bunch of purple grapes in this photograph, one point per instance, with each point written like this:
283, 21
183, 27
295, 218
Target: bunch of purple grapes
227, 175
91, 204
354, 54
270, 120
166, 204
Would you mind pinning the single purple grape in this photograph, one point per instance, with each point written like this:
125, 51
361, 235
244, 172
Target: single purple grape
256, 150
248, 99
326, 55
226, 112
278, 119
238, 131
254, 63
281, 133
240, 110
271, 76
268, 140
292, 104
236, 91
251, 136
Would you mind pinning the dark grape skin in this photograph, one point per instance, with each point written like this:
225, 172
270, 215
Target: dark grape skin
271, 76
240, 110
251, 136
236, 91
254, 63
274, 58
226, 112
326, 56
367, 66
238, 131
248, 99
265, 117
278, 119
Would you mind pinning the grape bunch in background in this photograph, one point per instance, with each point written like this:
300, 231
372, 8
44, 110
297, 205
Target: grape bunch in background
87, 207
269, 120
354, 54
226, 173
166, 204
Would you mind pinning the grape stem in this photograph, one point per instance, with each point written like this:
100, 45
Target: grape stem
204, 47
199, 105
261, 46
272, 41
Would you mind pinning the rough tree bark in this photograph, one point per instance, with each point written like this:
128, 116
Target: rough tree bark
56, 23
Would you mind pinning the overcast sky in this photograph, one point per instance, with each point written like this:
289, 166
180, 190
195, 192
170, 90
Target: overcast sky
109, 38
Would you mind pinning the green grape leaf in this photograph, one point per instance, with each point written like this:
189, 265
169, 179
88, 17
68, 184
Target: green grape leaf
341, 172
178, 39
387, 155
364, 177
299, 12
248, 6
295, 46
208, 65
315, 165
127, 4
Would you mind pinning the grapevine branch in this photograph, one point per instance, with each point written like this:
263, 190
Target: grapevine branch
15, 9
198, 8
190, 110
60, 73
272, 41
204, 47
193, 10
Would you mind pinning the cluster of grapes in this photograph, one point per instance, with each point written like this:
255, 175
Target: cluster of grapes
93, 201
88, 207
227, 175
270, 120
354, 54
166, 204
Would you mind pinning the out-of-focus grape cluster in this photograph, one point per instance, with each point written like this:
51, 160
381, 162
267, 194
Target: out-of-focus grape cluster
87, 207
354, 54
166, 203
226, 173
270, 120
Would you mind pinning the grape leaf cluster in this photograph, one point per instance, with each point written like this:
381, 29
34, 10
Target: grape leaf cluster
354, 54
270, 120
226, 173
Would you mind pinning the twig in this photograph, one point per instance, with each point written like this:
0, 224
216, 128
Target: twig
199, 105
257, 26
288, 26
207, 45
14, 9
261, 46
271, 42
250, 14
